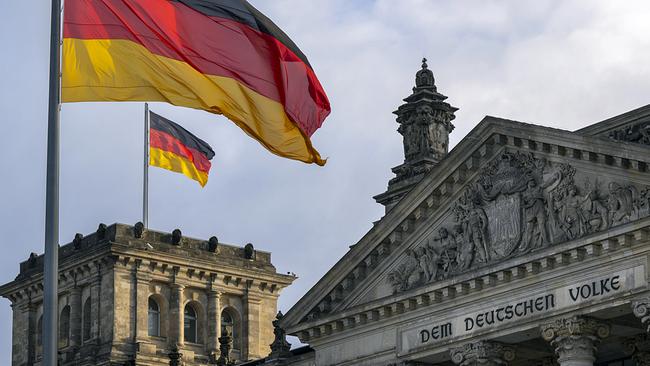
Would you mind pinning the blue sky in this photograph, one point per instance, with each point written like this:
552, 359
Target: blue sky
564, 64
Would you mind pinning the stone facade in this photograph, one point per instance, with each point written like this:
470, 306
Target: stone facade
132, 296
524, 245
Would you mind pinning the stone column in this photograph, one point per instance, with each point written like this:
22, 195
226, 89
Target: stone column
23, 333
214, 320
32, 332
95, 304
251, 337
638, 347
176, 322
141, 307
75, 317
482, 353
575, 339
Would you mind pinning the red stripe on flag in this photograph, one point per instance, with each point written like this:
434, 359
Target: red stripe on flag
167, 142
212, 45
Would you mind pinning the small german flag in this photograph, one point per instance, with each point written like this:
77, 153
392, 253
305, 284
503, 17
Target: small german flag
174, 148
221, 56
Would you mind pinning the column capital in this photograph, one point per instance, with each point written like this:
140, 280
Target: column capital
641, 309
483, 353
637, 347
214, 294
252, 297
575, 338
176, 286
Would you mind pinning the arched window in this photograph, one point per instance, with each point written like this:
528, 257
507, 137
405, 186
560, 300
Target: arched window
190, 324
230, 321
154, 318
64, 326
86, 321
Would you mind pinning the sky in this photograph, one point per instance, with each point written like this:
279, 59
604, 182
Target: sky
564, 64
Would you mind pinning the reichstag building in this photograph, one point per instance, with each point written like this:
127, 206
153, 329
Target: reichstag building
524, 246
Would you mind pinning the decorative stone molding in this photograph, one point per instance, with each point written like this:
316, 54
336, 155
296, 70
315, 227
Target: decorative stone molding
606, 244
482, 353
501, 135
425, 124
518, 204
575, 339
225, 348
638, 347
280, 348
175, 357
641, 309
638, 133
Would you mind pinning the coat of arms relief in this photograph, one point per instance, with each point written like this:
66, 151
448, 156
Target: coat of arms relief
519, 203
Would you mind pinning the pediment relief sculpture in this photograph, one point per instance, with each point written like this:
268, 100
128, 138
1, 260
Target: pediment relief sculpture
638, 133
519, 203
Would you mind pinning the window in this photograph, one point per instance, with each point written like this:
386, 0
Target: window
64, 326
190, 324
86, 321
154, 318
229, 321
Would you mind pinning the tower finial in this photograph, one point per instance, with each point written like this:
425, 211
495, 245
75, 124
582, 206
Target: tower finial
424, 77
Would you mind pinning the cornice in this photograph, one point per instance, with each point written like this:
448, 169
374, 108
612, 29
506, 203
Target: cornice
615, 122
620, 242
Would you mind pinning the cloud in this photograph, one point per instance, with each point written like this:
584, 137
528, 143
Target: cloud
559, 63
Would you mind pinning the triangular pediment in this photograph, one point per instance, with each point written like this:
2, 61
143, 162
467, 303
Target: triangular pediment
508, 189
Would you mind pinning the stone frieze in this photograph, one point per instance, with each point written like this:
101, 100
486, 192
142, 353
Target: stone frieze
519, 203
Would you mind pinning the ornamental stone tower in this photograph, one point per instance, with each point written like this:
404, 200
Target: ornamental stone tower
133, 296
425, 123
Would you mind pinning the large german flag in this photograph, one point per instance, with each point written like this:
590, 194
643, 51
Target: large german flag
174, 148
222, 56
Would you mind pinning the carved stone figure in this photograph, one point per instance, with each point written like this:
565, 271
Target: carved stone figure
175, 357
621, 203
518, 204
225, 346
280, 348
425, 263
572, 218
476, 226
535, 234
400, 278
638, 133
440, 141
596, 210
466, 249
423, 119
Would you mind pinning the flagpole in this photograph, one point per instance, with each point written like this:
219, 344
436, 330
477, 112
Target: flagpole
51, 265
145, 180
